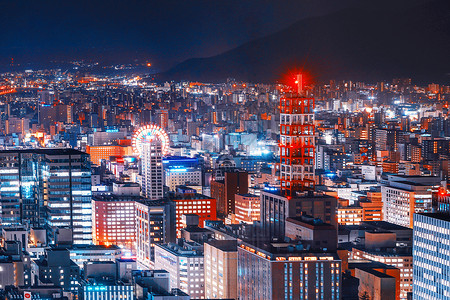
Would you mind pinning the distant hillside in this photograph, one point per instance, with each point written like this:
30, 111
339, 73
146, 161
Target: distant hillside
354, 44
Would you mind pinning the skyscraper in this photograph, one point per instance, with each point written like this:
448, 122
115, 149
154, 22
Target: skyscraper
47, 187
151, 143
152, 169
67, 192
297, 144
155, 224
431, 252
297, 155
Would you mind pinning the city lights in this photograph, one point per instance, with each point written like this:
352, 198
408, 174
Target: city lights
284, 151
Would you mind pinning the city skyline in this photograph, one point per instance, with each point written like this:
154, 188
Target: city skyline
225, 150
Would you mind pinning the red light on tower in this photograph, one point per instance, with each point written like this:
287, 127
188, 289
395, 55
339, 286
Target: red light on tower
297, 141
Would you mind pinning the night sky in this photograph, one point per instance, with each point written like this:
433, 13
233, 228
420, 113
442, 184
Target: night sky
163, 32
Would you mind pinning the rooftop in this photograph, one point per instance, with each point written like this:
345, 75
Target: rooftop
439, 216
178, 250
226, 246
367, 264
300, 195
50, 151
386, 251
310, 222
194, 229
248, 195
18, 228
148, 202
273, 250
385, 225
85, 247
376, 273
195, 196
127, 184
115, 198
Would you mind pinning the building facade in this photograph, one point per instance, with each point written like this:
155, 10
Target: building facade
403, 196
220, 258
276, 208
431, 253
154, 225
180, 170
402, 261
234, 182
297, 142
152, 169
113, 220
47, 187
190, 202
284, 274
247, 208
185, 265
104, 152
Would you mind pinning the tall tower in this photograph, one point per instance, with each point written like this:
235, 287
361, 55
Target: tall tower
152, 169
297, 144
151, 143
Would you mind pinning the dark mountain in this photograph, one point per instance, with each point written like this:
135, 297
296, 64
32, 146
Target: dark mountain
357, 44
163, 32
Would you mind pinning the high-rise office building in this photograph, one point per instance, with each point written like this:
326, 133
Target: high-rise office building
17, 125
118, 209
181, 171
276, 208
280, 271
185, 265
403, 196
151, 143
67, 192
297, 141
431, 253
220, 258
381, 247
152, 169
162, 118
187, 201
47, 187
224, 191
113, 219
155, 224
20, 193
50, 114
433, 148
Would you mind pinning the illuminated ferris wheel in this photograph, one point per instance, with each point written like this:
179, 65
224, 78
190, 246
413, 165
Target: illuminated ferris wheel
150, 133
